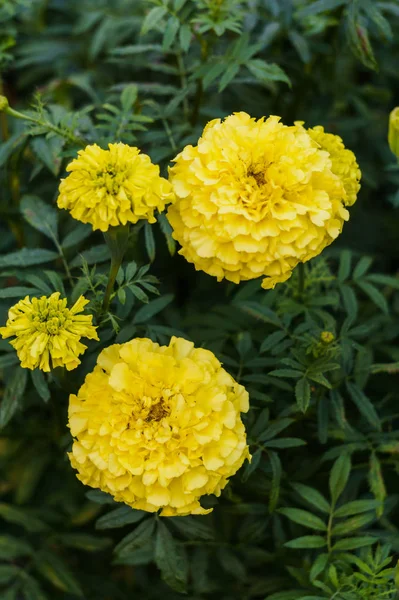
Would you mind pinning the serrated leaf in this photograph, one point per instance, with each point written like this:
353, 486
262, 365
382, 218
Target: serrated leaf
304, 518
307, 541
18, 292
353, 524
40, 383
374, 294
149, 241
171, 559
83, 541
259, 311
339, 476
354, 543
125, 515
137, 538
193, 528
271, 340
356, 507
40, 215
302, 394
349, 301
344, 265
267, 72
153, 18
170, 32
13, 394
318, 7
96, 254
376, 481
364, 405
54, 569
27, 257
312, 496
152, 308
80, 232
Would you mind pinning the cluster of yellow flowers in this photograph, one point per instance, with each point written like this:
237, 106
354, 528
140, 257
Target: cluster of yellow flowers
160, 426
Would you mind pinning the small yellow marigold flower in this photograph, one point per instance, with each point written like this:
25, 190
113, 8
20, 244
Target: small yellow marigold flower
393, 131
254, 198
158, 426
47, 331
343, 162
113, 187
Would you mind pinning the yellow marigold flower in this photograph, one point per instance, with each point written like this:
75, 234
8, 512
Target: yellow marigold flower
393, 131
343, 162
254, 198
158, 426
113, 187
45, 329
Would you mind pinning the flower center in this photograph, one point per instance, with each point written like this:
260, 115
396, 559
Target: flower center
50, 319
110, 178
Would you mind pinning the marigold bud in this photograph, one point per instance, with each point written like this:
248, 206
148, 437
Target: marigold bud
3, 103
327, 337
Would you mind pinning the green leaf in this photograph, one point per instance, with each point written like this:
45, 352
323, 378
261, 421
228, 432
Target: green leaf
354, 543
27, 257
352, 524
8, 572
185, 36
31, 589
266, 72
228, 76
277, 471
318, 566
307, 541
96, 254
125, 515
128, 98
263, 313
350, 301
21, 517
374, 294
170, 558
100, 497
392, 282
275, 428
304, 518
48, 151
13, 394
312, 496
149, 241
8, 360
272, 340
83, 541
344, 265
11, 548
356, 507
318, 7
289, 373
376, 481
364, 405
18, 292
302, 394
152, 308
153, 18
285, 443
40, 383
40, 215
362, 267
339, 476
167, 231
53, 568
137, 538
301, 45
80, 232
170, 32
193, 528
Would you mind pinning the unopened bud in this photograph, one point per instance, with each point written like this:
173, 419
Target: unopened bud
327, 337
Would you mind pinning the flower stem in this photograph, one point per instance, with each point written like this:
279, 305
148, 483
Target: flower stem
301, 279
117, 240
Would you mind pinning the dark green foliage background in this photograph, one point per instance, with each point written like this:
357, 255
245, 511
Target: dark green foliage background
316, 513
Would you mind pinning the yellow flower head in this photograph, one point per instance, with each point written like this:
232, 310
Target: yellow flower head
254, 198
44, 329
113, 187
343, 162
393, 131
158, 426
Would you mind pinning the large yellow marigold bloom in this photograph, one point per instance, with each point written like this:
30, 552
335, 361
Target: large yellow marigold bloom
47, 333
254, 198
113, 187
158, 426
343, 162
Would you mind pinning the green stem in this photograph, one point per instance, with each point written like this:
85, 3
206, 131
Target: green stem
117, 241
183, 81
61, 132
301, 279
329, 528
